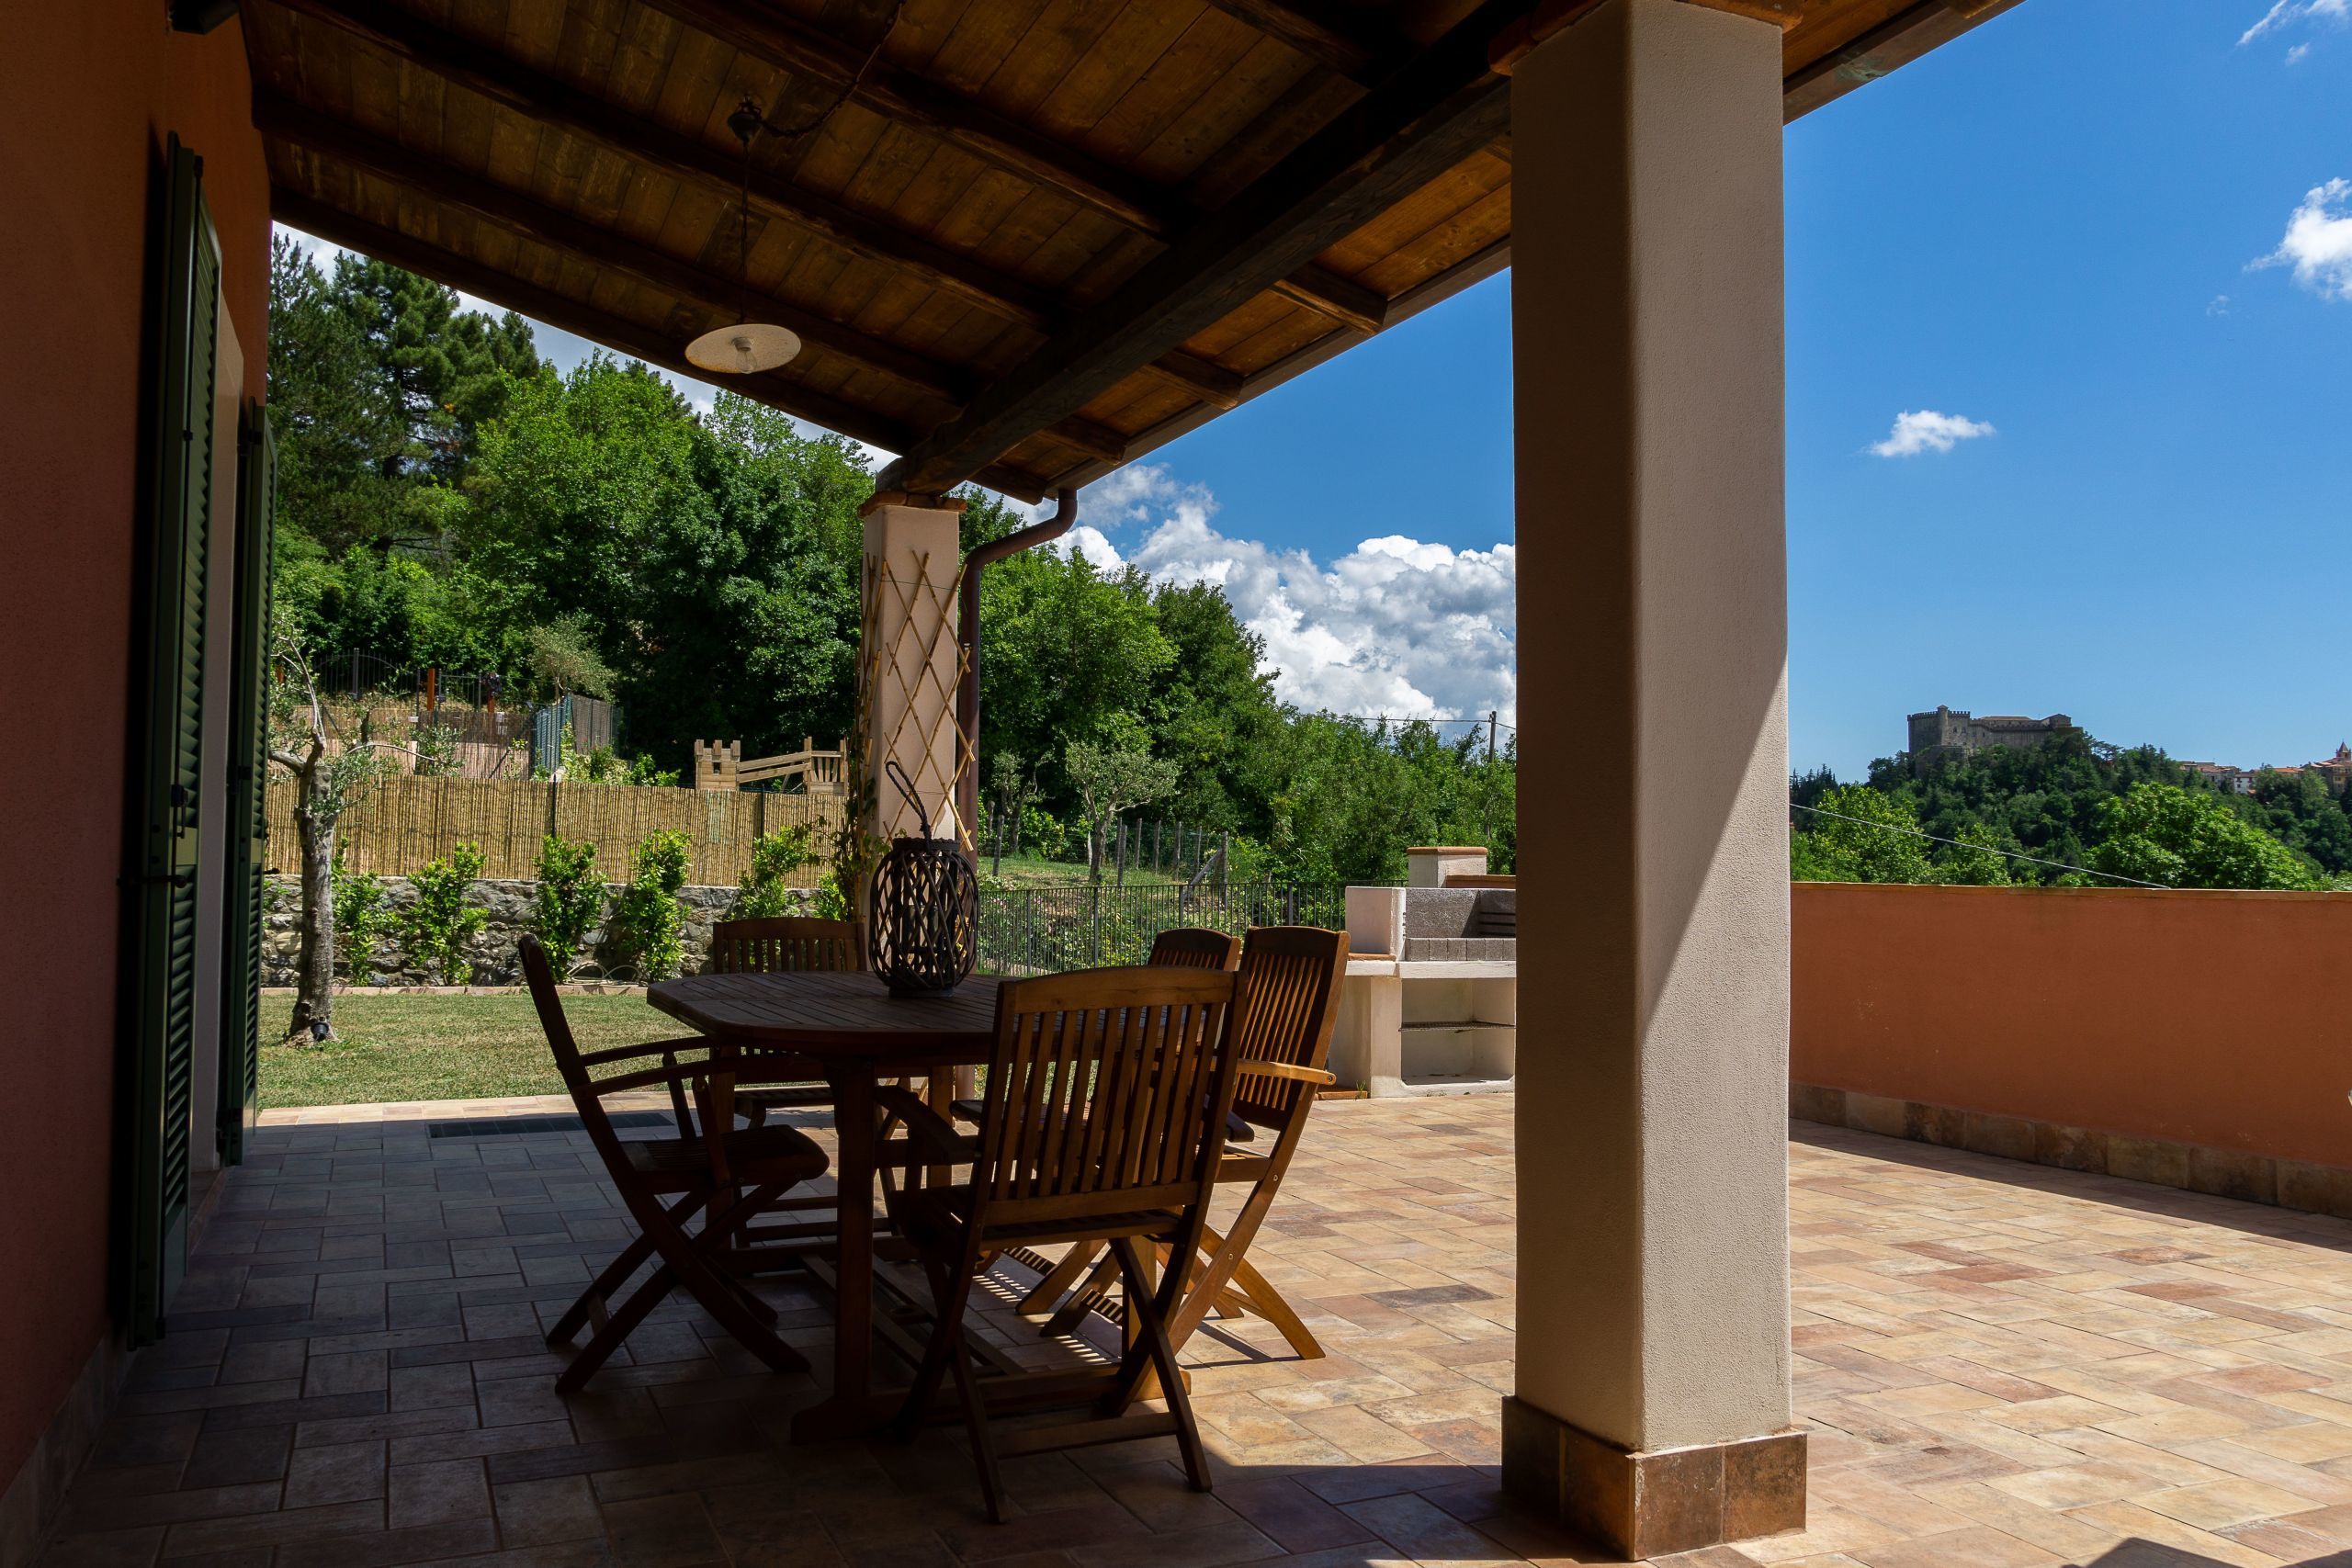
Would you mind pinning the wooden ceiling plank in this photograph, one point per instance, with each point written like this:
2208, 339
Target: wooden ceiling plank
512, 210
686, 159
1312, 30
690, 160
765, 33
1443, 106
1897, 43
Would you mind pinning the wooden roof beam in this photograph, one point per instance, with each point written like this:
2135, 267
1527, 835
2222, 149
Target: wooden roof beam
490, 202
549, 100
767, 33
1311, 29
789, 44
1440, 107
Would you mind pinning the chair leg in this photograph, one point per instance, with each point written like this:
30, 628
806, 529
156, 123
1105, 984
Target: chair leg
712, 1284
949, 1291
616, 1272
1147, 1312
1060, 1278
976, 1421
617, 1328
1269, 1303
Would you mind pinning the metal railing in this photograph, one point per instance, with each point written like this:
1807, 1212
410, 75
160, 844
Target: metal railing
1050, 927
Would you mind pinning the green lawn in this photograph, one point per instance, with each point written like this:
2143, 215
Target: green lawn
459, 1047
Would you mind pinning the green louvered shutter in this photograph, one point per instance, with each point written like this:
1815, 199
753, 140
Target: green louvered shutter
248, 779
161, 990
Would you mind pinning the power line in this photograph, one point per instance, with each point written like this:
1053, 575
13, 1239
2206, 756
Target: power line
2012, 854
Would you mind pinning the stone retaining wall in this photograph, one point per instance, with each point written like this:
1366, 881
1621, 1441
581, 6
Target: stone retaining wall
495, 961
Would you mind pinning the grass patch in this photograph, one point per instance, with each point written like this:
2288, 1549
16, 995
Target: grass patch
406, 1047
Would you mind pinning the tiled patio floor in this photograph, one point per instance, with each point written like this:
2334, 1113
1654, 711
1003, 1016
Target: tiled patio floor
2002, 1364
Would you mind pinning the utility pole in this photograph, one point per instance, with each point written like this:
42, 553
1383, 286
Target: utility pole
1492, 715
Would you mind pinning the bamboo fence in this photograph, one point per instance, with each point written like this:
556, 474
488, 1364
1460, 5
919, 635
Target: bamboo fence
403, 822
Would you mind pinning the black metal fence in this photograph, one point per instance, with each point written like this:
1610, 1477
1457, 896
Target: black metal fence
1048, 928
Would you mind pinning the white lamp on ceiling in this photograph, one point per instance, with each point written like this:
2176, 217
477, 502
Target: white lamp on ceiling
748, 346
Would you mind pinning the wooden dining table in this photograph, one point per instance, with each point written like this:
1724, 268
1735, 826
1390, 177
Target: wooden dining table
851, 1026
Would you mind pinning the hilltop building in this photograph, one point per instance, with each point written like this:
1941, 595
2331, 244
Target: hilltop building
1948, 731
2334, 771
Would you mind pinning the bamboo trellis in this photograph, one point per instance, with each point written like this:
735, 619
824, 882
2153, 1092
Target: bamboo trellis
403, 822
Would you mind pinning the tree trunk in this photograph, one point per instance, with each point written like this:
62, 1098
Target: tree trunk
314, 966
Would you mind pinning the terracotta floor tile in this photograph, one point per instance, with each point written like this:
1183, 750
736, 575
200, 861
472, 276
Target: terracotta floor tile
1997, 1365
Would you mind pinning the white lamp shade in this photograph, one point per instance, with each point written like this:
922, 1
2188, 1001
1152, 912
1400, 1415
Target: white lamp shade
743, 348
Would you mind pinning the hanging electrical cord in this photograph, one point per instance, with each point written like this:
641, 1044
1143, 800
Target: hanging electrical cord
751, 345
2011, 854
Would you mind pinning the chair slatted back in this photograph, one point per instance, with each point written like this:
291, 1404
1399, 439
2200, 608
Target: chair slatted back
785, 944
1289, 1003
1190, 947
1107, 1093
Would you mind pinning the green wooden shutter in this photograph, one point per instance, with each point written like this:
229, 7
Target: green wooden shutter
162, 980
248, 779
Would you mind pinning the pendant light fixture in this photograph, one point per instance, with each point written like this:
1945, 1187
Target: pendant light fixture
746, 346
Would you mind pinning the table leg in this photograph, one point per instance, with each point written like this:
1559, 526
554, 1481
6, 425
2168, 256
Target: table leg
851, 1408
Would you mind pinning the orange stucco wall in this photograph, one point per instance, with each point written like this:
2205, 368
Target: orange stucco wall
87, 93
2211, 1018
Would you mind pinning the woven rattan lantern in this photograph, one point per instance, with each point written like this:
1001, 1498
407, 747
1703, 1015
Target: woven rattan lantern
923, 933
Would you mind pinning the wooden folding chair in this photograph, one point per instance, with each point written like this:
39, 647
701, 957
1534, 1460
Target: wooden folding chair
1179, 947
780, 945
1102, 1121
666, 1182
1192, 947
1289, 1002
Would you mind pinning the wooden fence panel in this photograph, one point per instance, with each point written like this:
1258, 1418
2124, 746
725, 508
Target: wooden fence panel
402, 822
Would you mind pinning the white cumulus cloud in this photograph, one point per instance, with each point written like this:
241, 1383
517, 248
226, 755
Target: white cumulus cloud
1924, 430
1395, 627
2318, 242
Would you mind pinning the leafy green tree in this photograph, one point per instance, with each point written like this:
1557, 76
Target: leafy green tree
563, 656
570, 897
1213, 712
1859, 834
1071, 654
2177, 837
330, 775
439, 923
1979, 858
1109, 780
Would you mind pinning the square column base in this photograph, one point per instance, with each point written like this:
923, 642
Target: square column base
1655, 1504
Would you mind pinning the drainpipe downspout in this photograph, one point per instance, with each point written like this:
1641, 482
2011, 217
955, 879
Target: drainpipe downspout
967, 637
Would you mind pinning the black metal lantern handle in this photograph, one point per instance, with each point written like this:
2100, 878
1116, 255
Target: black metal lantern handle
900, 777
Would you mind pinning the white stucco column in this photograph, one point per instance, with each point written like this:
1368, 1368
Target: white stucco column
1652, 1404
908, 665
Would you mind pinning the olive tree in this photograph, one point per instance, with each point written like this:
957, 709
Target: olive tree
329, 776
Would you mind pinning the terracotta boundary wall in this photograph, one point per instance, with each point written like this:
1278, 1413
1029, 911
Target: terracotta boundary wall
2197, 1039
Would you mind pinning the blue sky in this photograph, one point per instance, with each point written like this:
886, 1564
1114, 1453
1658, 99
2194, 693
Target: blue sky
2050, 234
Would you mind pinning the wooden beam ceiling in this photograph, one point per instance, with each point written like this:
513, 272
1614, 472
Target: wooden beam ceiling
1370, 129
1347, 45
549, 100
486, 202
768, 34
1439, 108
